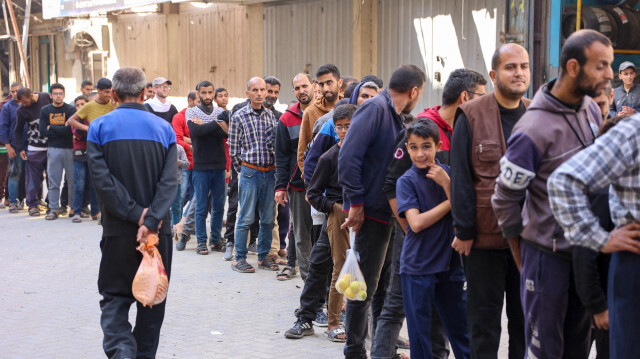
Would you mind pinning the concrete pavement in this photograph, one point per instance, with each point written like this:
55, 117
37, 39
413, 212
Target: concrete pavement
49, 301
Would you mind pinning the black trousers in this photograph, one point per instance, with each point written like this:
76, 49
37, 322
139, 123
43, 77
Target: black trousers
118, 266
232, 212
490, 274
374, 245
314, 292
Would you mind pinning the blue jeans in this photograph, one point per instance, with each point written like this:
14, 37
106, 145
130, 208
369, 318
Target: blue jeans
176, 207
204, 182
255, 190
14, 182
186, 186
81, 178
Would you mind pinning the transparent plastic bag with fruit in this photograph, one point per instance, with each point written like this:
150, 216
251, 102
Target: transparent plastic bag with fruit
150, 285
351, 282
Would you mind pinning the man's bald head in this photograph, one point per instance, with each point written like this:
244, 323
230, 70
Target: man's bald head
496, 60
256, 91
255, 81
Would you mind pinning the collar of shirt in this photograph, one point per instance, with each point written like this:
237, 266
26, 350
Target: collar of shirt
133, 105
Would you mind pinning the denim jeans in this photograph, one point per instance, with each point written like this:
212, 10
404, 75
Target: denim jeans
58, 160
14, 181
204, 182
185, 185
4, 170
256, 189
81, 178
176, 207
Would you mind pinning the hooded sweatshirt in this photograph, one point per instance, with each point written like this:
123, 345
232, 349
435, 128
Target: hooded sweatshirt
309, 118
401, 162
548, 134
445, 129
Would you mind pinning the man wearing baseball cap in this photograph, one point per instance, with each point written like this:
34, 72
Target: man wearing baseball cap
626, 98
160, 105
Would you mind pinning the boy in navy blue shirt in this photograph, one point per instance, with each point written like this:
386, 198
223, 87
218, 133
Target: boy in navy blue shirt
431, 271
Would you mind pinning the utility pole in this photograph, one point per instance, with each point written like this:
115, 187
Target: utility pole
20, 49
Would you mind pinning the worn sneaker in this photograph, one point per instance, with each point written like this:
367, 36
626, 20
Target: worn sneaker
182, 241
62, 211
300, 329
322, 320
86, 210
253, 247
228, 253
21, 205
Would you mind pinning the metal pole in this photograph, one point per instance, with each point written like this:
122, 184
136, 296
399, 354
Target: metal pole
20, 49
25, 28
6, 18
578, 14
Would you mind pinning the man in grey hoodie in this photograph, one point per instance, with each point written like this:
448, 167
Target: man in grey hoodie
561, 120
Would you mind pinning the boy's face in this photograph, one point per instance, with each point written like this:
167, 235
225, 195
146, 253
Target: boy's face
422, 151
342, 126
79, 104
627, 76
222, 98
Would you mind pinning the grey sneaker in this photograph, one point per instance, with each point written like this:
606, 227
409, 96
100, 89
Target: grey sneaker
300, 329
182, 241
322, 320
253, 247
228, 253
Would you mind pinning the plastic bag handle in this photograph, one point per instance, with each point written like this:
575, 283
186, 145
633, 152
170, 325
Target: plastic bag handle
352, 239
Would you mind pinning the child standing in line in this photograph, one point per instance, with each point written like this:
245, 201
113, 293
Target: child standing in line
431, 271
325, 195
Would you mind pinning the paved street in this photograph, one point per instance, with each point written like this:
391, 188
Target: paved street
49, 300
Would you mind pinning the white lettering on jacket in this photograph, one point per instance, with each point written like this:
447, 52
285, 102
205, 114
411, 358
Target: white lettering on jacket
514, 176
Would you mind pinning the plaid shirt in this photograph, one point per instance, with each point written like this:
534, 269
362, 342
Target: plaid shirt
252, 137
613, 159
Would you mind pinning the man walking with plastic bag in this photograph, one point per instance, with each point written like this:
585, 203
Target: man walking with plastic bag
133, 162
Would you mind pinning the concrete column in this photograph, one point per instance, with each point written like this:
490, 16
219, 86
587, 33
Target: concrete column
365, 37
255, 39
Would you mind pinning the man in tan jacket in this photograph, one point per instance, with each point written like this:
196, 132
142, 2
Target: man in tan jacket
329, 82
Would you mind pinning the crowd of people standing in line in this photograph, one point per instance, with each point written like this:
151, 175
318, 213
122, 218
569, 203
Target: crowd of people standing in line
532, 203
